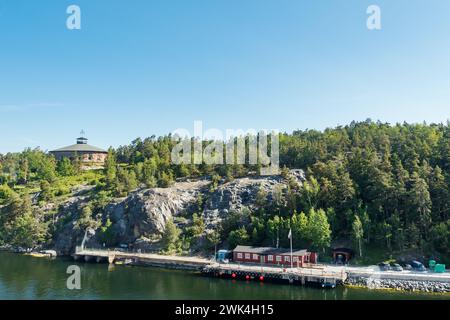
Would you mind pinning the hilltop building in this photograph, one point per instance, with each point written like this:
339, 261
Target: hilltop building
85, 152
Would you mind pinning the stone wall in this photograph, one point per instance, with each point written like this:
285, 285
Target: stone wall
399, 284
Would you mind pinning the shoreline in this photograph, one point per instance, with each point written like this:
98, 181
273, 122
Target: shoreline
391, 290
399, 285
352, 281
395, 291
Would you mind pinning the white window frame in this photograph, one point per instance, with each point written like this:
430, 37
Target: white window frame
255, 256
239, 255
295, 259
278, 258
247, 256
270, 257
287, 259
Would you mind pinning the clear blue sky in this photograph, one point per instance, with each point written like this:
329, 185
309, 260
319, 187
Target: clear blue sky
139, 68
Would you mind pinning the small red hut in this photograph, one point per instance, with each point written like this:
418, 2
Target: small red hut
273, 256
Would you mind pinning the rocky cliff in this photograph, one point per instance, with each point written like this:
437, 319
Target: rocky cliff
139, 219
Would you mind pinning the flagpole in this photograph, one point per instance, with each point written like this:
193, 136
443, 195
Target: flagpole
292, 262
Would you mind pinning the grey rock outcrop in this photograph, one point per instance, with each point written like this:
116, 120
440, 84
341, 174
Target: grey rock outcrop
140, 218
236, 195
145, 213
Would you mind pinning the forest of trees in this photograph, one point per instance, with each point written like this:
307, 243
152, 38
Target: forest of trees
369, 182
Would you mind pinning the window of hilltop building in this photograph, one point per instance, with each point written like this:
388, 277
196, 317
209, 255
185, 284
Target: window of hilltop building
239, 255
255, 256
270, 258
278, 258
307, 258
287, 258
295, 259
247, 256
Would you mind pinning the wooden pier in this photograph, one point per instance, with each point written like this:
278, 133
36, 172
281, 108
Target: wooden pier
317, 275
144, 259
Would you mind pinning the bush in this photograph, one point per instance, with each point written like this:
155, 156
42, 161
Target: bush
5, 192
46, 191
106, 233
166, 180
85, 220
61, 189
238, 237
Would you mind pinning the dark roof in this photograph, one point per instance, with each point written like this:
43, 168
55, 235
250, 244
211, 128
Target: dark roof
269, 250
80, 148
347, 250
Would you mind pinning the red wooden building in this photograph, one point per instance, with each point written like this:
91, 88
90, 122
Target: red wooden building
273, 256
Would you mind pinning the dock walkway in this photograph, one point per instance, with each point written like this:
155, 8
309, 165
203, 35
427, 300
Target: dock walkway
314, 274
136, 258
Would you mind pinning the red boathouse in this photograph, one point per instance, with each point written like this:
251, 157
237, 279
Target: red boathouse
273, 256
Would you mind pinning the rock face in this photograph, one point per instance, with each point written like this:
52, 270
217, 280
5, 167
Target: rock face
68, 236
146, 212
140, 218
235, 195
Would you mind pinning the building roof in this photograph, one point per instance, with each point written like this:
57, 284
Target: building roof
80, 148
269, 250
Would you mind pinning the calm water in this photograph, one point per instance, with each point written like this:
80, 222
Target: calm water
23, 277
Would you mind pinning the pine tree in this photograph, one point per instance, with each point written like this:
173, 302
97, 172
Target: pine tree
420, 203
170, 236
65, 167
110, 170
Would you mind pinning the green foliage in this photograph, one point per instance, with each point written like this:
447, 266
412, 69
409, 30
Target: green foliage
213, 238
20, 226
165, 180
394, 179
318, 229
238, 237
110, 170
261, 198
198, 226
149, 173
106, 234
65, 168
214, 182
273, 226
5, 193
299, 225
235, 220
101, 199
171, 236
126, 182
86, 220
358, 233
46, 191
440, 236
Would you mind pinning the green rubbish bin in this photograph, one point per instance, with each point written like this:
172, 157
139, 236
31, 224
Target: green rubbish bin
439, 268
431, 264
